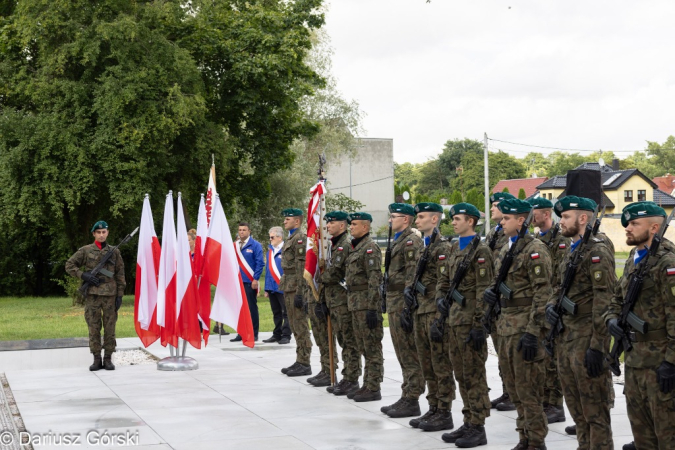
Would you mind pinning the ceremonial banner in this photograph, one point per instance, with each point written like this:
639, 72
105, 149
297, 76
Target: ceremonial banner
315, 253
166, 288
147, 268
203, 285
187, 324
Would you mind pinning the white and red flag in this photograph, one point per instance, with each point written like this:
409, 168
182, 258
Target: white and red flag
147, 268
166, 286
230, 305
203, 285
211, 194
187, 322
316, 236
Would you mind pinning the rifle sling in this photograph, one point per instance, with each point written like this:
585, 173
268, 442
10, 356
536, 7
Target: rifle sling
654, 335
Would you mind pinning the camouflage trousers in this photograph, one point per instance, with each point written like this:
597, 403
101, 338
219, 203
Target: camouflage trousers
553, 393
343, 328
320, 333
495, 341
525, 384
434, 359
297, 319
588, 399
469, 368
650, 411
100, 310
406, 353
369, 343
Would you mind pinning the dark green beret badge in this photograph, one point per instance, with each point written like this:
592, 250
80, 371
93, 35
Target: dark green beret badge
336, 216
540, 203
428, 207
639, 210
573, 202
514, 206
101, 224
499, 196
402, 208
291, 212
361, 216
464, 208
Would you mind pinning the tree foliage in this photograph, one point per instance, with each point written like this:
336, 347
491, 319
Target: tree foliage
663, 155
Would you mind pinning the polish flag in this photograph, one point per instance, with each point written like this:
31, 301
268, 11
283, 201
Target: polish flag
203, 285
147, 267
230, 305
211, 194
187, 323
166, 286
315, 250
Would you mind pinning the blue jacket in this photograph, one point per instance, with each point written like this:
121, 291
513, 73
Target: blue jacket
270, 284
253, 254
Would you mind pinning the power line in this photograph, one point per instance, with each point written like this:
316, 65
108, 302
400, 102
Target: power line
360, 184
565, 149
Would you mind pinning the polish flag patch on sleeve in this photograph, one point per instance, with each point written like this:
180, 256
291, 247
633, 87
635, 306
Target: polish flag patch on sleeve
596, 259
409, 243
670, 271
562, 246
534, 256
340, 249
481, 260
369, 251
441, 257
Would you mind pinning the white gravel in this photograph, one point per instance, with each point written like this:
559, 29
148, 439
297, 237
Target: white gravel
133, 358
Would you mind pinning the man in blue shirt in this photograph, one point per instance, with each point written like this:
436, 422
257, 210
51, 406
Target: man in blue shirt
251, 263
273, 273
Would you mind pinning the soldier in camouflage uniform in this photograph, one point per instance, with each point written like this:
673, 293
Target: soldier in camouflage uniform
405, 249
334, 293
521, 324
558, 246
364, 276
104, 297
468, 347
650, 365
495, 240
294, 287
583, 342
434, 357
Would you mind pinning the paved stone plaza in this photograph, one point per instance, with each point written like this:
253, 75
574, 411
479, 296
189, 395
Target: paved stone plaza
237, 399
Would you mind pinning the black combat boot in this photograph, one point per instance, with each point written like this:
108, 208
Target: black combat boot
542, 446
410, 407
630, 446
474, 437
386, 408
368, 396
506, 405
451, 438
572, 429
442, 420
98, 363
415, 423
522, 445
554, 414
353, 392
300, 370
292, 366
346, 388
322, 381
502, 398
331, 389
107, 362
318, 375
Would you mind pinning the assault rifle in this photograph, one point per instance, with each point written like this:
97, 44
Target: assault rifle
500, 288
596, 226
564, 304
417, 286
453, 295
629, 321
554, 234
99, 267
493, 239
387, 262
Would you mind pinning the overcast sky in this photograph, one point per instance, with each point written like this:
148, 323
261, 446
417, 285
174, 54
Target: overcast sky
558, 73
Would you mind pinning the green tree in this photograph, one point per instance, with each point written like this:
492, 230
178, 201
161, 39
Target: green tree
521, 194
561, 162
476, 198
453, 151
405, 174
644, 163
431, 177
456, 198
340, 202
663, 155
536, 164
506, 189
502, 167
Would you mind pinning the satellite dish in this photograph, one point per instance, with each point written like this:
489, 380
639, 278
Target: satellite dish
406, 196
601, 162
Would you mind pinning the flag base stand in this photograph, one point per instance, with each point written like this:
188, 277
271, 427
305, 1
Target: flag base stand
177, 363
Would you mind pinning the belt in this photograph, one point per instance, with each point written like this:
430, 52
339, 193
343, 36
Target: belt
395, 287
584, 309
515, 302
358, 287
654, 335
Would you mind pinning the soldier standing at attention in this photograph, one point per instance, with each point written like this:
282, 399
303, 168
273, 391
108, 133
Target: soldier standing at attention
405, 248
584, 341
293, 285
468, 346
495, 240
521, 324
104, 297
650, 365
364, 276
434, 357
558, 246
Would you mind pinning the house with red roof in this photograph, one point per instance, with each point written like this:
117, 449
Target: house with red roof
666, 183
514, 186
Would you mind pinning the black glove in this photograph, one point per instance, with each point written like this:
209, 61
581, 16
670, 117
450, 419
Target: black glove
593, 362
442, 306
321, 311
409, 296
528, 343
118, 303
490, 297
665, 375
551, 316
476, 336
407, 322
89, 278
298, 301
615, 330
371, 319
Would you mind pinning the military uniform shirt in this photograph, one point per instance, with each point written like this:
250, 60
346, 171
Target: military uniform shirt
334, 273
89, 256
364, 275
439, 252
501, 241
293, 263
405, 252
558, 247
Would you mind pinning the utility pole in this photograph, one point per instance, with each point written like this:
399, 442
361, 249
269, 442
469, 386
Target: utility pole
487, 184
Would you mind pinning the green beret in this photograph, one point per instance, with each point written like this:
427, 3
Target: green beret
402, 208
360, 216
99, 225
428, 207
573, 202
499, 196
638, 210
540, 203
291, 212
464, 208
514, 206
336, 216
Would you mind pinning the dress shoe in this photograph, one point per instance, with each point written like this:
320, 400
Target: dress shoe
506, 405
630, 446
415, 423
352, 393
572, 429
98, 363
503, 398
386, 408
554, 414
441, 420
284, 340
474, 437
409, 407
300, 370
458, 433
368, 396
271, 340
292, 366
346, 387
237, 338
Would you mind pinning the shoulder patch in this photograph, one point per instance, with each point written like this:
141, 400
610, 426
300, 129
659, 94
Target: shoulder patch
409, 242
534, 256
340, 249
481, 260
562, 246
595, 259
670, 270
441, 257
537, 270
597, 275
369, 251
300, 241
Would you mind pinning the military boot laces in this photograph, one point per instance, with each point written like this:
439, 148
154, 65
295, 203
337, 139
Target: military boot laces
442, 420
451, 438
107, 363
415, 423
410, 407
474, 437
387, 408
98, 363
